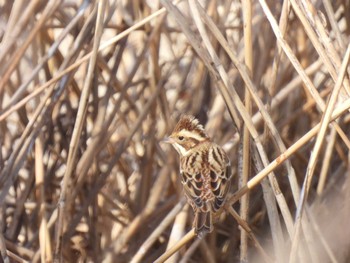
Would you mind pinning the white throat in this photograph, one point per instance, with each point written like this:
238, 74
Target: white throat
181, 150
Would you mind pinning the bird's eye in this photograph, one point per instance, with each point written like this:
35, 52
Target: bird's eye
181, 138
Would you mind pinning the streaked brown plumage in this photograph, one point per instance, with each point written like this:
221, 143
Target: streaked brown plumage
205, 171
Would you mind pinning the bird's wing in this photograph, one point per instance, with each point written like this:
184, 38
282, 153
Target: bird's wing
220, 178
193, 186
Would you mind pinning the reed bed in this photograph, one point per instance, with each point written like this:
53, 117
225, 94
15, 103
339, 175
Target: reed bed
89, 89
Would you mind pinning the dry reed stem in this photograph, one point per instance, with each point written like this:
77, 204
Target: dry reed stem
326, 161
156, 233
277, 234
311, 88
187, 238
246, 141
292, 149
77, 130
178, 230
326, 118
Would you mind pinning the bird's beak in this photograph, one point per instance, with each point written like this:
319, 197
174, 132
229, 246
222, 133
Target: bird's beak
168, 140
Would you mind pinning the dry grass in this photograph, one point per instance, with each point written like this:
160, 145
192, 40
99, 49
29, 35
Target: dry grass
89, 90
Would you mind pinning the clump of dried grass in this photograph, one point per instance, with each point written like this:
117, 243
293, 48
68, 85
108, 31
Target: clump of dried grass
88, 90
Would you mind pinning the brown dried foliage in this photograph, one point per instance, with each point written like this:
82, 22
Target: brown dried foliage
88, 90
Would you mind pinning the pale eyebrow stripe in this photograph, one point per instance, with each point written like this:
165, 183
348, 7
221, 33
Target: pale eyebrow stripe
190, 134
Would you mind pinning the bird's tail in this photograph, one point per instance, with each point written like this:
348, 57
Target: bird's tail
203, 222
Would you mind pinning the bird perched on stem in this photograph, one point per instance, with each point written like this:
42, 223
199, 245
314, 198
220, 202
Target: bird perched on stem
205, 171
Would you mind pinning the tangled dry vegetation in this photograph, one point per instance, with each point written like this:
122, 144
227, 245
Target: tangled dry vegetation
90, 88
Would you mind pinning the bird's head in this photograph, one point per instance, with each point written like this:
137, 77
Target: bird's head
187, 134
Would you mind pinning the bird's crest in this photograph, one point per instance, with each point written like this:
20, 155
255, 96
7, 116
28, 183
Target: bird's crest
191, 124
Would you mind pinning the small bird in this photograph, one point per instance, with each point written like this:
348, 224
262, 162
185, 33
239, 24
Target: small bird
205, 171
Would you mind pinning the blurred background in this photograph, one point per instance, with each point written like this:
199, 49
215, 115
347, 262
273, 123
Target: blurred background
88, 89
